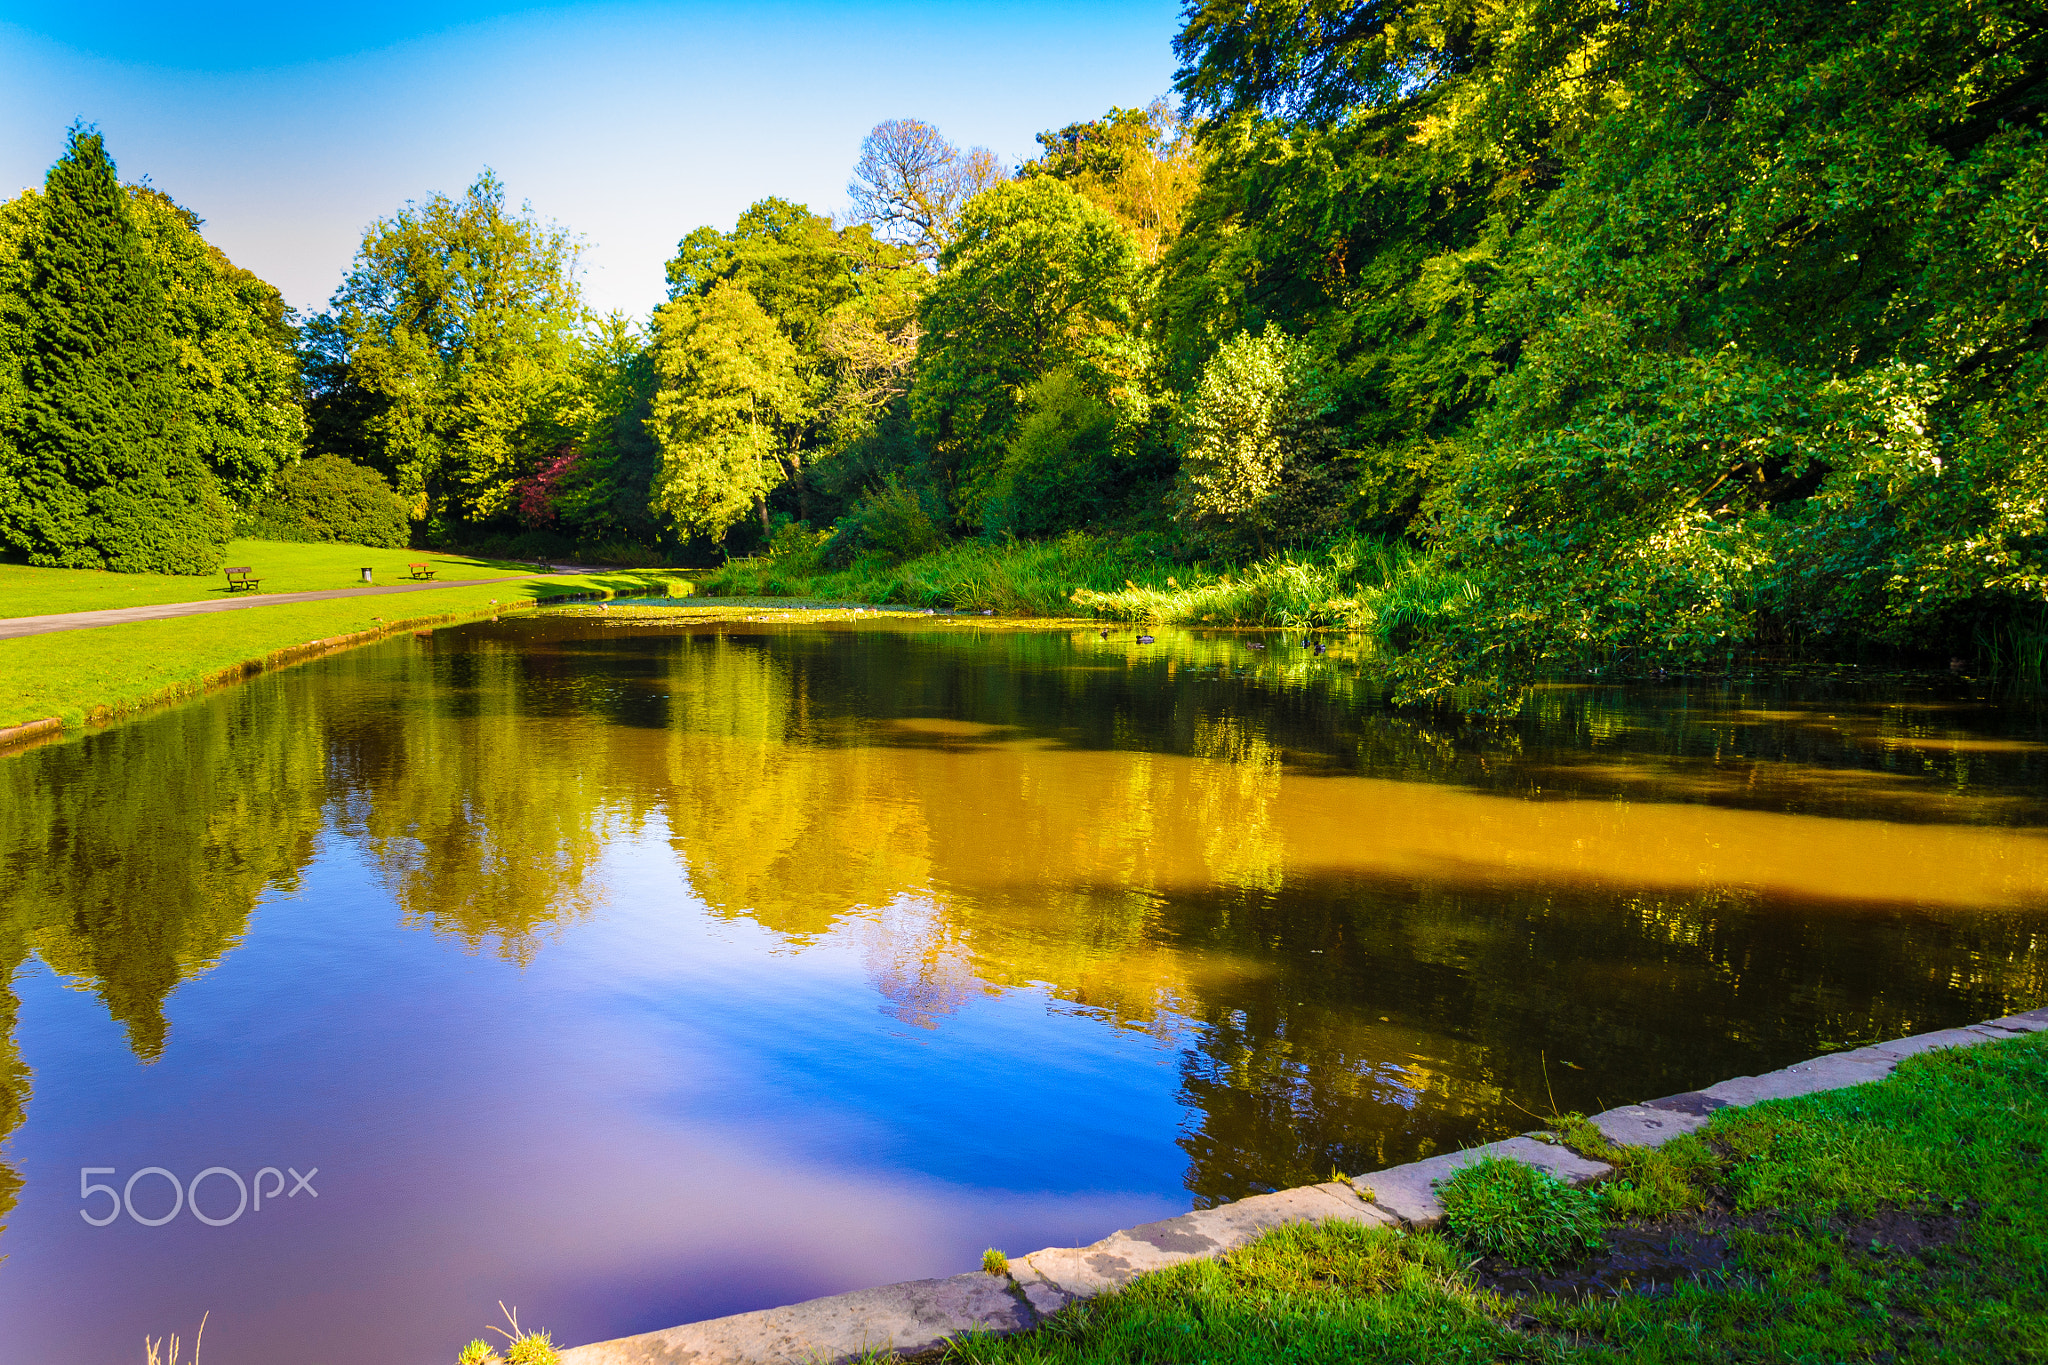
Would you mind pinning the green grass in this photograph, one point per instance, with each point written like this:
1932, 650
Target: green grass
1504, 1208
284, 566
75, 674
1350, 585
1956, 1136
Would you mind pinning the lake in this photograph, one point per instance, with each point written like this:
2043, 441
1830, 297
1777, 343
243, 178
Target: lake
636, 974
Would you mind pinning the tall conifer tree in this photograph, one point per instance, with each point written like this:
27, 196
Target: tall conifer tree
104, 471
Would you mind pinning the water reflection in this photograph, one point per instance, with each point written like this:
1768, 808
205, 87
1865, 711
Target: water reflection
1360, 937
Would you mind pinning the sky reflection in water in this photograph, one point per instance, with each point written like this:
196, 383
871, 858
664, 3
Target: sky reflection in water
633, 977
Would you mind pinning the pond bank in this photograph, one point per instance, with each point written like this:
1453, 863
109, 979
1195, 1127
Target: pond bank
64, 679
923, 1315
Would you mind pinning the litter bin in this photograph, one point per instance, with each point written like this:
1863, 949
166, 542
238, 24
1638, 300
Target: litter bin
366, 575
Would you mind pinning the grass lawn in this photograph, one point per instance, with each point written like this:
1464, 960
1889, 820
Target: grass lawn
72, 673
284, 566
1905, 1220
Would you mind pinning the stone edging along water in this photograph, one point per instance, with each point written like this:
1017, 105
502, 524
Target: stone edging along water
919, 1315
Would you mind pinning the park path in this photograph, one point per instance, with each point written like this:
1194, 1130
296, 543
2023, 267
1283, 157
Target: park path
12, 627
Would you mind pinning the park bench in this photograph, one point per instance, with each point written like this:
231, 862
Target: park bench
421, 571
239, 579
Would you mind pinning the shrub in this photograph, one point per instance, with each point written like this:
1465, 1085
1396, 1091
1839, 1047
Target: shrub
895, 522
1503, 1208
329, 498
1056, 469
796, 547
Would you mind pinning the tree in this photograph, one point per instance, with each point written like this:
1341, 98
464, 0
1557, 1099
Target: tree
1783, 350
237, 351
1142, 165
729, 397
1037, 278
606, 491
846, 301
1256, 460
449, 352
911, 184
101, 467
1316, 60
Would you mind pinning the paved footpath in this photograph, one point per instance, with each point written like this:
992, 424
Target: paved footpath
920, 1315
13, 626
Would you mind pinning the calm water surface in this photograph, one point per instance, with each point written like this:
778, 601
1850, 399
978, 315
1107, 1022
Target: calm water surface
632, 976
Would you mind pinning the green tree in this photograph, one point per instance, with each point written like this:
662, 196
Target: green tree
235, 345
1037, 279
102, 468
450, 353
846, 302
1059, 467
1257, 460
729, 401
1783, 347
237, 351
606, 495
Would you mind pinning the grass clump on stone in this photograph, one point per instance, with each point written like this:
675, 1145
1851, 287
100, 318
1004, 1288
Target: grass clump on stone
1648, 1182
994, 1262
1503, 1208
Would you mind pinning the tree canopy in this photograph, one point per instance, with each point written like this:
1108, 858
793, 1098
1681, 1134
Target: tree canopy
448, 354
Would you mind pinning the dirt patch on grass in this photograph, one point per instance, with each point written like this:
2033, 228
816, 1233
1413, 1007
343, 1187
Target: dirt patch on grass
1654, 1255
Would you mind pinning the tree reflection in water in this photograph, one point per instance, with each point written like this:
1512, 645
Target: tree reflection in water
1366, 937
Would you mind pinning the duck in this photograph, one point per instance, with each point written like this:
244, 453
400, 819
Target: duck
1144, 639
1105, 635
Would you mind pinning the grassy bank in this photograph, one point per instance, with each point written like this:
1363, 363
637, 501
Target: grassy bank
284, 566
78, 675
1905, 1220
1359, 585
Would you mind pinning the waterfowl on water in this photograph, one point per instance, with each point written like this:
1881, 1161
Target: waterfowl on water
1253, 644
1144, 639
1105, 635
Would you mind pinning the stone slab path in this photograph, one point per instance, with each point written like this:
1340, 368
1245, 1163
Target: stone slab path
921, 1314
12, 627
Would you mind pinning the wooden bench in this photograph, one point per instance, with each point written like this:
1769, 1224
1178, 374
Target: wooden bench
420, 571
239, 579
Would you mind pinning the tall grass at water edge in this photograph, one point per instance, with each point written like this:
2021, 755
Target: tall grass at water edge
1363, 585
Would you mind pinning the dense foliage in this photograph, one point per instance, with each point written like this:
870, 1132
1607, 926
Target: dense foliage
100, 462
329, 498
448, 358
1653, 332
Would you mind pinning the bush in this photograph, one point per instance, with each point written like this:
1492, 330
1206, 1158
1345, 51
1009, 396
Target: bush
796, 547
894, 523
1503, 1208
330, 498
1056, 469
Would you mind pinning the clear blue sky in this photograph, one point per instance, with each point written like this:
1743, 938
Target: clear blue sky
289, 128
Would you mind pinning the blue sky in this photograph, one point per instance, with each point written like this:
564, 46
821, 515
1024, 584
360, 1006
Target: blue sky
290, 128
